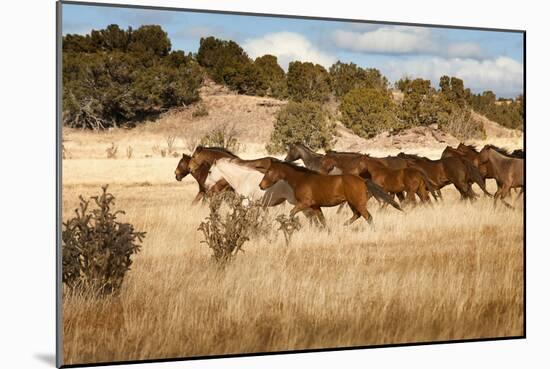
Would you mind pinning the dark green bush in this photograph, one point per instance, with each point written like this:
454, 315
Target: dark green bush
420, 105
369, 111
273, 75
348, 76
302, 122
113, 76
308, 81
97, 249
227, 63
508, 113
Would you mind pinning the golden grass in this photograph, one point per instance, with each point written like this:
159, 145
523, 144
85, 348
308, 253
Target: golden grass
451, 271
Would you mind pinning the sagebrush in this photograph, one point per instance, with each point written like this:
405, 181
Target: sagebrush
305, 123
226, 230
97, 248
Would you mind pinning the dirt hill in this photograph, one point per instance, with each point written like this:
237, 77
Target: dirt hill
252, 119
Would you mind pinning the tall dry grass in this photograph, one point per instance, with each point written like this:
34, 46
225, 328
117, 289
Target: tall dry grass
451, 271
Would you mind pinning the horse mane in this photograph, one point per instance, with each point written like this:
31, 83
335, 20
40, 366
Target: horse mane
295, 167
307, 148
217, 149
471, 146
410, 156
500, 150
342, 152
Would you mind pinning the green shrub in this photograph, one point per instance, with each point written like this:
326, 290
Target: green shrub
308, 81
228, 64
302, 122
420, 105
97, 249
348, 76
508, 113
113, 76
368, 111
273, 75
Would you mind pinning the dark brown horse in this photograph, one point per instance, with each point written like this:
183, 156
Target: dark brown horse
508, 171
198, 165
347, 162
208, 155
519, 153
409, 180
313, 190
200, 174
394, 181
486, 169
454, 170
310, 158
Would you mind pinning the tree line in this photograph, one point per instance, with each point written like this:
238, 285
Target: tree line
115, 76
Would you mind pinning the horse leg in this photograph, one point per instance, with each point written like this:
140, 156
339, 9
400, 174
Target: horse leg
423, 194
521, 190
340, 208
320, 217
400, 196
356, 215
462, 189
365, 213
410, 199
312, 217
471, 194
505, 191
198, 197
297, 208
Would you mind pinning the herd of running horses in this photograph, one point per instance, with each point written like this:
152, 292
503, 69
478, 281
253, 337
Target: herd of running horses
336, 178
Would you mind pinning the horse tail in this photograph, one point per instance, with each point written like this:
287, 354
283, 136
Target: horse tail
475, 175
430, 185
380, 194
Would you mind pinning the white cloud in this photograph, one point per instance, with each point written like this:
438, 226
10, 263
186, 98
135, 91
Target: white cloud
391, 40
287, 47
464, 50
503, 75
404, 40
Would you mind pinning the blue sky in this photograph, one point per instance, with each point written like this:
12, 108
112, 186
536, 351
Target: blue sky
484, 59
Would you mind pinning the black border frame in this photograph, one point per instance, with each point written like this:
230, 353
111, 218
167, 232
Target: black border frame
59, 187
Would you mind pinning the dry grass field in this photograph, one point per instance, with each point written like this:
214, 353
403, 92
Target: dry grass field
444, 272
450, 271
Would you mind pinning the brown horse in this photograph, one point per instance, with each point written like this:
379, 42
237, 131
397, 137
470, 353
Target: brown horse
310, 158
208, 155
409, 180
486, 169
200, 174
394, 181
508, 171
519, 153
349, 162
199, 164
451, 169
313, 190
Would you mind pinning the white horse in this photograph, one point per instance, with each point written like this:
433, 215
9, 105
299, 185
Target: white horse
246, 182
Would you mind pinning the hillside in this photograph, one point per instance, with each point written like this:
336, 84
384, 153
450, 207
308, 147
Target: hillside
252, 120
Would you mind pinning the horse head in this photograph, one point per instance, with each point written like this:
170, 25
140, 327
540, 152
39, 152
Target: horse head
183, 167
271, 176
293, 153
